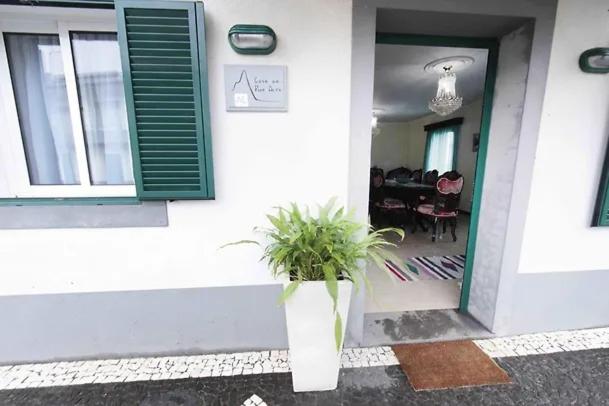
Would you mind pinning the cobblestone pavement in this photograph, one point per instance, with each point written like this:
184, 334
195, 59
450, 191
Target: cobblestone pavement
565, 378
545, 343
263, 362
164, 368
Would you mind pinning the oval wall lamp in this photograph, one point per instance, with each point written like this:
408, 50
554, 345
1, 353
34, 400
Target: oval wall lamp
595, 60
251, 39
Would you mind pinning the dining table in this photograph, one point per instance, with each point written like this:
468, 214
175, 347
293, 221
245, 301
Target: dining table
410, 193
407, 191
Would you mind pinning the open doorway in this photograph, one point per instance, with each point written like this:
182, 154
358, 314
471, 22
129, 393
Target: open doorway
431, 106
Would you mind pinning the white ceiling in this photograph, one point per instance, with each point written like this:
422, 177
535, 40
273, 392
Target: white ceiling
402, 88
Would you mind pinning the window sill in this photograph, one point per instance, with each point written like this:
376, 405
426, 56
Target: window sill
23, 214
70, 201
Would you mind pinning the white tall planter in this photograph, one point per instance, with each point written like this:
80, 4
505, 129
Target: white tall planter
310, 318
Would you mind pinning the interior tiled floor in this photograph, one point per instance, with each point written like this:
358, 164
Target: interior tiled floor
391, 295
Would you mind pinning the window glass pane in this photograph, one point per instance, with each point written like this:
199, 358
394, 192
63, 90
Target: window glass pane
102, 103
440, 150
42, 106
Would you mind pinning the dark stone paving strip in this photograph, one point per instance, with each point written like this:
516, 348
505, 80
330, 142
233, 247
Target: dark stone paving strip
578, 378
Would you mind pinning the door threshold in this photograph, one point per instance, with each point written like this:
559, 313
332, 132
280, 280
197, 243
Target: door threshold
421, 326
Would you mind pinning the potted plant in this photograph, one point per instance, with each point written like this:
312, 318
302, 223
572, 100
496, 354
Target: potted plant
320, 260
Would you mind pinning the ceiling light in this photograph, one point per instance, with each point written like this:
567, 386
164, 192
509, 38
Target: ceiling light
446, 100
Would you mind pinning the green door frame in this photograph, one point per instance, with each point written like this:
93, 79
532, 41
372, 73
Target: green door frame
492, 45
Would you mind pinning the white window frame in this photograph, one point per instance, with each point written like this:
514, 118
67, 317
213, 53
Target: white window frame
12, 152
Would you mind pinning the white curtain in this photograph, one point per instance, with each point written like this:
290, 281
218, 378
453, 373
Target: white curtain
42, 106
440, 150
102, 102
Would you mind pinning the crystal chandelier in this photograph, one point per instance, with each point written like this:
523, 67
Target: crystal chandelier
446, 100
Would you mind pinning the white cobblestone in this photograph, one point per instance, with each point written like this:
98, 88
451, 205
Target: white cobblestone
545, 343
275, 361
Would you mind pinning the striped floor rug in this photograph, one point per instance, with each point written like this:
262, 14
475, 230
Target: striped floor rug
425, 268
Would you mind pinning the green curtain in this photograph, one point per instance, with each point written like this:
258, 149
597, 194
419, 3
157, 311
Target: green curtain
441, 149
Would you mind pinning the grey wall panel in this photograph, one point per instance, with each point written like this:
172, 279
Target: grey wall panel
560, 301
504, 134
113, 324
146, 214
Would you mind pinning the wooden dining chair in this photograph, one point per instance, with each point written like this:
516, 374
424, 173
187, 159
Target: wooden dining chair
398, 173
416, 175
445, 206
382, 208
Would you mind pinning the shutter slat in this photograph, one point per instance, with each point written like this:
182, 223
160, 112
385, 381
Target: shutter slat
159, 67
161, 75
162, 97
163, 167
164, 103
173, 45
166, 127
162, 29
170, 188
175, 140
161, 88
168, 161
180, 53
172, 175
160, 36
162, 50
172, 82
161, 20
156, 13
172, 154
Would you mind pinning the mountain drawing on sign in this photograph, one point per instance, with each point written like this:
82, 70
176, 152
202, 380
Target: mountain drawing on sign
243, 77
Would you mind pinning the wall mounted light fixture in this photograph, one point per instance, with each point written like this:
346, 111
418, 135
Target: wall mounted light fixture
251, 39
595, 60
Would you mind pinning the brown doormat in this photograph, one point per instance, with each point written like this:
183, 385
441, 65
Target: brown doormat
451, 364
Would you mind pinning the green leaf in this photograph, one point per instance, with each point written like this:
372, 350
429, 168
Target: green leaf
288, 291
279, 225
331, 283
239, 243
338, 332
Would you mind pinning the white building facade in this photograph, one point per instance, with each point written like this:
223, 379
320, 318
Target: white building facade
106, 271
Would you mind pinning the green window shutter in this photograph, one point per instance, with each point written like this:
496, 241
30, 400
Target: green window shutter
601, 211
165, 75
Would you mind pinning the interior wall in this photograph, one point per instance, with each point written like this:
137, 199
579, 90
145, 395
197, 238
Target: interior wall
390, 148
403, 144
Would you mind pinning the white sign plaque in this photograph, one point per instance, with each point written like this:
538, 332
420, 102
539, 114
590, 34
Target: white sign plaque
256, 87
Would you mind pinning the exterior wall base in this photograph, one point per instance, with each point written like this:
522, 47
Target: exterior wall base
557, 301
39, 328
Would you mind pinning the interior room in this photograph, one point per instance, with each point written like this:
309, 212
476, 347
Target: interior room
425, 133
